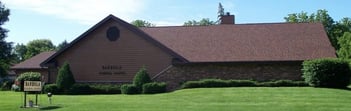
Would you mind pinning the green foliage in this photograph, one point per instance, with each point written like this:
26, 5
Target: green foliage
105, 89
129, 89
141, 78
202, 22
62, 45
77, 89
334, 29
6, 84
52, 88
29, 76
85, 89
154, 87
334, 73
20, 51
3, 69
5, 47
345, 46
214, 83
142, 23
211, 83
65, 77
15, 87
242, 83
283, 83
37, 46
220, 10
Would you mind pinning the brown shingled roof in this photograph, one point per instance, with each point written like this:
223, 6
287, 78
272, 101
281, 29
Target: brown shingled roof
34, 62
246, 42
233, 43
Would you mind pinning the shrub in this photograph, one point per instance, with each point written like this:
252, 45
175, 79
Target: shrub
15, 87
105, 88
191, 84
241, 83
214, 83
333, 73
283, 83
154, 87
6, 84
29, 76
79, 89
141, 78
129, 89
286, 83
51, 88
65, 78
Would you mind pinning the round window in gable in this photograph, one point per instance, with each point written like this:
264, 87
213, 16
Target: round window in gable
112, 33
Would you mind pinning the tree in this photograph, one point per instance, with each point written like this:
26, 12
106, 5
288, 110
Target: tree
65, 77
62, 45
220, 10
142, 23
321, 16
345, 46
5, 47
37, 46
202, 22
20, 51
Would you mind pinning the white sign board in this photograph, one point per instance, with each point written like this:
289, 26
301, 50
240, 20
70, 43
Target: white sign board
32, 86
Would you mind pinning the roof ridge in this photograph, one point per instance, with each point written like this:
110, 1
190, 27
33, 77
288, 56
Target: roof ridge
268, 23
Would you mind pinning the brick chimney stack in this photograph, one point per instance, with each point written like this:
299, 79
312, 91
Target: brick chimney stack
227, 19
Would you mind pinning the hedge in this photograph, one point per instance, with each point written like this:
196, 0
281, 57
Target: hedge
105, 88
78, 89
154, 87
333, 73
52, 88
81, 88
210, 83
129, 89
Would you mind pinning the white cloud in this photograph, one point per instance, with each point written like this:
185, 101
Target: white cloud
166, 23
81, 11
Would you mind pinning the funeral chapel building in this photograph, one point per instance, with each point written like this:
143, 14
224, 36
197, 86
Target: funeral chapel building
113, 50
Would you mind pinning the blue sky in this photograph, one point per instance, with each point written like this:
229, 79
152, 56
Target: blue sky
60, 20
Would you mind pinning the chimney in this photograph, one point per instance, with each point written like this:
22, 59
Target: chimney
227, 19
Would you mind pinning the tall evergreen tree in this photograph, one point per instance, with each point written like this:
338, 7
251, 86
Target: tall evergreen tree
65, 77
20, 51
5, 47
345, 46
62, 45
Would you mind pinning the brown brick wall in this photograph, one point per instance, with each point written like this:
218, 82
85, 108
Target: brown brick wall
262, 71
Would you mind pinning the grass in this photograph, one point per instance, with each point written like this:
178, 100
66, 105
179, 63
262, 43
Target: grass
211, 99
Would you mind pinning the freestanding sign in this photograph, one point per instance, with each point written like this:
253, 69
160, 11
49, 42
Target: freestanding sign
32, 86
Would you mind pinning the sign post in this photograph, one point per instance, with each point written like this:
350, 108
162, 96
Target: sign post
31, 86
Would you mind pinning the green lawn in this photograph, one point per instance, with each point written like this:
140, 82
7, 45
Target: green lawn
211, 99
